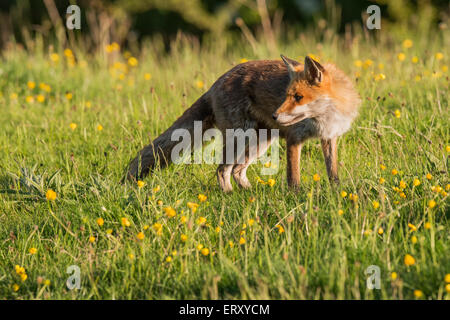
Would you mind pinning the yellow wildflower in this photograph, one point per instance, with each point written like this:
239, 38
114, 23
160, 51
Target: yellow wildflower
140, 236
140, 184
125, 222
407, 43
418, 293
100, 222
132, 61
409, 260
170, 212
439, 56
431, 204
50, 195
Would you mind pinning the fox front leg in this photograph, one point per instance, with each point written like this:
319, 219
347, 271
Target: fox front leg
293, 163
329, 148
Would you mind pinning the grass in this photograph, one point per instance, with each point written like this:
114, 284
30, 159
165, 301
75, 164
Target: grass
299, 246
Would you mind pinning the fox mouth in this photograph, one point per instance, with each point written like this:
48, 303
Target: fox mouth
290, 121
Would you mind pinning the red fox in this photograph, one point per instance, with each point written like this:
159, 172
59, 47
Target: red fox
303, 101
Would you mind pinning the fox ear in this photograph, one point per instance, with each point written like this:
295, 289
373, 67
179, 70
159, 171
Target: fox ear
290, 67
313, 71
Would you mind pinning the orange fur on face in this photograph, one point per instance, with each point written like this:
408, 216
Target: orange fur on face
335, 84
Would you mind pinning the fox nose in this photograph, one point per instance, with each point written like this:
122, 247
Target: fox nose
274, 116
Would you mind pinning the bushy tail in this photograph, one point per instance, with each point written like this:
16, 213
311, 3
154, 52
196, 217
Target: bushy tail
159, 151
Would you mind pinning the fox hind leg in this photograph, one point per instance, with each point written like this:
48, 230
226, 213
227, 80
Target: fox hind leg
252, 152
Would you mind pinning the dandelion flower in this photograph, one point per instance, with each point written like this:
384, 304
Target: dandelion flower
439, 56
15, 287
204, 251
202, 198
316, 177
412, 227
231, 244
271, 182
147, 76
427, 225
343, 194
217, 229
50, 195
69, 96
394, 172
280, 228
54, 57
40, 98
401, 56
91, 239
375, 204
358, 63
431, 204
100, 222
414, 59
99, 127
394, 275
241, 241
340, 212
32, 251
447, 278
418, 293
200, 84
416, 182
381, 180
414, 239
133, 62
243, 60
409, 260
168, 259
397, 113
183, 237
170, 212
140, 236
125, 222
201, 220
193, 206
252, 199
380, 231
407, 43
140, 184
31, 85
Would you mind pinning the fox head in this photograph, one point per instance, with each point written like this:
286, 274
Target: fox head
307, 94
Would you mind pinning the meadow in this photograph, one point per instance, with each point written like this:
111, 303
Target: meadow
71, 121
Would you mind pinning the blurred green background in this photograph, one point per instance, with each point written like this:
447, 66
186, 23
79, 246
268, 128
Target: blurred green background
128, 22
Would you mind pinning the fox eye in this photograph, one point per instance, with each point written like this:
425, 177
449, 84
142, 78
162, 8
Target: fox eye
298, 97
